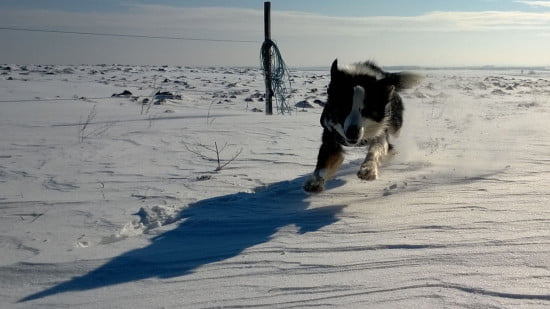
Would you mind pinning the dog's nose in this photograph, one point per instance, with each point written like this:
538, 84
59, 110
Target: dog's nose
352, 134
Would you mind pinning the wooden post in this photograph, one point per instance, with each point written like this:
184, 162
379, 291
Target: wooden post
267, 59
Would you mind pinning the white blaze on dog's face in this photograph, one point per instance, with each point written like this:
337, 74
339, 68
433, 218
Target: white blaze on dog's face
357, 127
353, 125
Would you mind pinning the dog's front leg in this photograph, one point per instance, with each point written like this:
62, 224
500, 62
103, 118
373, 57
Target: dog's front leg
378, 149
330, 158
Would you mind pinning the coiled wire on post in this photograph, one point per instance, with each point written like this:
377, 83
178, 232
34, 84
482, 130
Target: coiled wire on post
279, 84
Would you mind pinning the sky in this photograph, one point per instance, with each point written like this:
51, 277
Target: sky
308, 32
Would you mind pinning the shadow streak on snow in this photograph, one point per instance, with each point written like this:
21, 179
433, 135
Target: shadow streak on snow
212, 230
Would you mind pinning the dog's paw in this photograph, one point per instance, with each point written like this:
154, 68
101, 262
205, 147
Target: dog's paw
314, 184
368, 172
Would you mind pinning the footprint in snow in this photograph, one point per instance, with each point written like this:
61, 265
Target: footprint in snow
392, 189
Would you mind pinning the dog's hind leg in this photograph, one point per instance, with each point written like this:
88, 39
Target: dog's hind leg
378, 150
330, 158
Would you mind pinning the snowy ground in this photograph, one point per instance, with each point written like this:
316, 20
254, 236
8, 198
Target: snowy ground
129, 211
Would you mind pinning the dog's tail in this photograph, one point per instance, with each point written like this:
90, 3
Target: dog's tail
403, 80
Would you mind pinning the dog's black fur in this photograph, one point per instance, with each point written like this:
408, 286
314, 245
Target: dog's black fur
363, 108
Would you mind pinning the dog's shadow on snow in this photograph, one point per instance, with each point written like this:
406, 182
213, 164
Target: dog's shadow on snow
211, 230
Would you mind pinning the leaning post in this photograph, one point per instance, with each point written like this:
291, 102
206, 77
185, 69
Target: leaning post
267, 59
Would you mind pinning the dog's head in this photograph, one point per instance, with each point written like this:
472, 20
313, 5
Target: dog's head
360, 98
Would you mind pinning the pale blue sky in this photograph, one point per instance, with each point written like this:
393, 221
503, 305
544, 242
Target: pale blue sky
324, 7
309, 32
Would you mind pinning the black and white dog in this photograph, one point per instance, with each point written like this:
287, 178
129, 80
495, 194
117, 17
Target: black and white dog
363, 108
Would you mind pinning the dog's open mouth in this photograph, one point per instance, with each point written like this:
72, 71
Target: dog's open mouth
354, 143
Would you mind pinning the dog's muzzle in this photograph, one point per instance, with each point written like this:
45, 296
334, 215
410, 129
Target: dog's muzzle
353, 128
353, 134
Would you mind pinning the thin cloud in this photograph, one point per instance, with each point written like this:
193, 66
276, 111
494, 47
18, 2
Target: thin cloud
298, 23
536, 3
247, 24
307, 38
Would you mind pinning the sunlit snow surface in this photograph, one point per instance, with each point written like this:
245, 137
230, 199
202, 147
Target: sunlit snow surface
128, 210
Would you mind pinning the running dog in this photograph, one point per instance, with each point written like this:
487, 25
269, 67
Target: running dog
363, 109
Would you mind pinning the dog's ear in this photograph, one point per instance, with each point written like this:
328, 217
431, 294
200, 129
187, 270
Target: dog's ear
402, 80
334, 68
